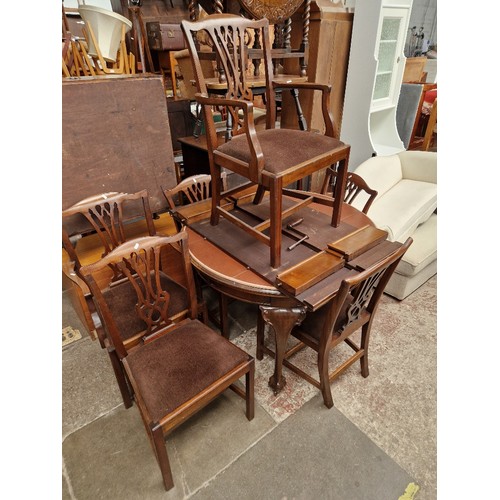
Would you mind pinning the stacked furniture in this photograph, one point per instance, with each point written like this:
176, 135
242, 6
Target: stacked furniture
406, 205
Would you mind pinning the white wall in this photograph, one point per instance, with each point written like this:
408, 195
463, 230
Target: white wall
105, 4
424, 13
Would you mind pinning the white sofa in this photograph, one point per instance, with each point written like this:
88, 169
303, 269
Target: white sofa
406, 205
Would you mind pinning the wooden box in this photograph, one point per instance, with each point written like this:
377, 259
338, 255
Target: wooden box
163, 36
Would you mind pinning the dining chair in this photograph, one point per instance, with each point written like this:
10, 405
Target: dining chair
353, 308
112, 219
177, 280
274, 158
101, 223
354, 186
174, 369
192, 189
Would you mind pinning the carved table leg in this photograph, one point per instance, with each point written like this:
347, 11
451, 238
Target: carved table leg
282, 320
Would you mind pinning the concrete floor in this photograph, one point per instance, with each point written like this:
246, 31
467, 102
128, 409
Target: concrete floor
312, 453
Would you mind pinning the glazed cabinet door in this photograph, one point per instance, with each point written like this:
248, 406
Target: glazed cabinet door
390, 57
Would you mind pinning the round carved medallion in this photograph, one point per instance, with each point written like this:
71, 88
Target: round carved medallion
276, 11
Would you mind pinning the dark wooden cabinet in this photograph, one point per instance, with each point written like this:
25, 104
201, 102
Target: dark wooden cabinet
181, 120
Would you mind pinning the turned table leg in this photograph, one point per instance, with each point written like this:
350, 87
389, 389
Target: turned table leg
282, 320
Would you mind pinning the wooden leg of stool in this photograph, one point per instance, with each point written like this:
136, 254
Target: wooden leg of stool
173, 63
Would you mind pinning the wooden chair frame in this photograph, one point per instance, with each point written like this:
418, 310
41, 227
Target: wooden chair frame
140, 262
194, 188
352, 308
197, 188
227, 35
106, 216
355, 184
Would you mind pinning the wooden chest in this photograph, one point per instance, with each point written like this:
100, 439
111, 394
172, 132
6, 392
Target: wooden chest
163, 36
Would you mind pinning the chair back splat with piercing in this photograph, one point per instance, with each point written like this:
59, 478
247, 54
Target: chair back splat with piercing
274, 158
353, 308
106, 220
116, 218
176, 368
355, 185
192, 189
106, 215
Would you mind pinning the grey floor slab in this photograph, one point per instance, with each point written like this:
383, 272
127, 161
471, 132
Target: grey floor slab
88, 384
314, 454
111, 457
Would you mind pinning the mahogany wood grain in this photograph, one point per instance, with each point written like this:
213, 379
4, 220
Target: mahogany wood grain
307, 273
358, 242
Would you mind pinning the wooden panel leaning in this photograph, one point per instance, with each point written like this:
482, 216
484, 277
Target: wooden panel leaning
116, 136
175, 369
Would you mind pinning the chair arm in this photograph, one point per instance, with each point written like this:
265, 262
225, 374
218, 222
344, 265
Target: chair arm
331, 128
257, 161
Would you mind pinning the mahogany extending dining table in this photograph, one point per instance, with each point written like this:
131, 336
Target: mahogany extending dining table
236, 265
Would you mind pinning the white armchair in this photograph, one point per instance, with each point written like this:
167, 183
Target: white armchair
406, 205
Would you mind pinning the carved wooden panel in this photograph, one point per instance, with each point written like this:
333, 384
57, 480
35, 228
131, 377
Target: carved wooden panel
277, 11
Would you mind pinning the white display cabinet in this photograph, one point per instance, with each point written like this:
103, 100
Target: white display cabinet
374, 77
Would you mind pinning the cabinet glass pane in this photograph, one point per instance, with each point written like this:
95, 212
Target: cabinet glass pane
386, 56
390, 28
382, 86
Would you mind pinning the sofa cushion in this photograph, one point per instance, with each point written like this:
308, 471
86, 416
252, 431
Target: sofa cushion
401, 209
422, 251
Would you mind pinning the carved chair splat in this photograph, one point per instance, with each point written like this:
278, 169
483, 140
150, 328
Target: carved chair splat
354, 186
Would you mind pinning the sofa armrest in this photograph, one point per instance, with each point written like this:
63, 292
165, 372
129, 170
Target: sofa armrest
381, 173
419, 166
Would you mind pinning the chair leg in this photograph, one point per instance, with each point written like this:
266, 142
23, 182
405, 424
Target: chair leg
259, 354
259, 195
324, 379
276, 207
249, 384
365, 338
223, 315
327, 180
120, 378
216, 190
160, 448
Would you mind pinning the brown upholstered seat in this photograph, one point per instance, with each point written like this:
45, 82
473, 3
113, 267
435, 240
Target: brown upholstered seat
202, 364
174, 369
282, 148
